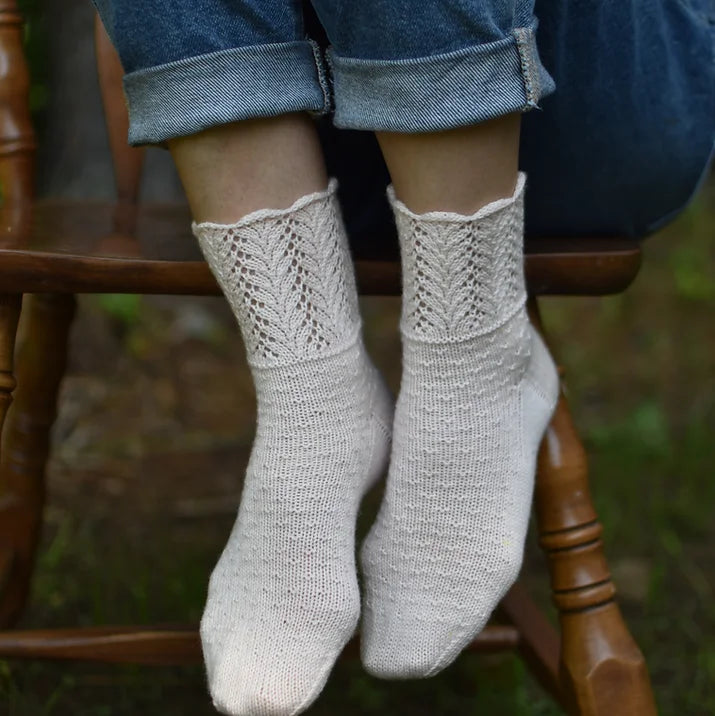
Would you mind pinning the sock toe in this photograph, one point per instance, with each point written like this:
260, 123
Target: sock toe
244, 681
386, 658
396, 645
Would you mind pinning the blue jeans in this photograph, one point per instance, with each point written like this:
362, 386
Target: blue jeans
394, 65
619, 148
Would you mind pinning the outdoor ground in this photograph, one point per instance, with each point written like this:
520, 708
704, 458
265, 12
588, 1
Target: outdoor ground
154, 429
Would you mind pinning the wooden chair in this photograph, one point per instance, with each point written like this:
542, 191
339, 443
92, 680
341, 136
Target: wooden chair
51, 250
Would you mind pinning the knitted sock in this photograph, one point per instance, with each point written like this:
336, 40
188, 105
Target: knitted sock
477, 391
283, 599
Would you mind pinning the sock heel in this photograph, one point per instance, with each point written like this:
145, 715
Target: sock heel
381, 414
541, 373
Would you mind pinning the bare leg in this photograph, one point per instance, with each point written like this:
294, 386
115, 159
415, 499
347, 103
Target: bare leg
459, 170
232, 170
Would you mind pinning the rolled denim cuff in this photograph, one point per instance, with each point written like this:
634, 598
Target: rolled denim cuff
184, 97
440, 92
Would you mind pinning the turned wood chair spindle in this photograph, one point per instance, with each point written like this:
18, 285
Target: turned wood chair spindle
591, 665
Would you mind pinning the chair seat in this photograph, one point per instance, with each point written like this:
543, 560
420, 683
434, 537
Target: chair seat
54, 246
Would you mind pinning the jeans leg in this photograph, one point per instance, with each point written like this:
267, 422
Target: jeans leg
194, 64
421, 67
624, 142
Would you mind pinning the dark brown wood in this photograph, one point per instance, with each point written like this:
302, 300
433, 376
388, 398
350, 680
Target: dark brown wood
157, 645
17, 139
6, 557
580, 266
40, 366
602, 671
496, 637
538, 640
9, 317
129, 645
128, 162
62, 247
17, 151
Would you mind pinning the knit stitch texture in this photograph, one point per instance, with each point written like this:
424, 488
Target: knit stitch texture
478, 388
283, 599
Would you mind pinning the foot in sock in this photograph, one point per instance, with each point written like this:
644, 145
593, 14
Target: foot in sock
283, 599
478, 389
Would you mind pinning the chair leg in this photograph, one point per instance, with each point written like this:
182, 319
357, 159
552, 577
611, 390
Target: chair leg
602, 671
9, 316
41, 363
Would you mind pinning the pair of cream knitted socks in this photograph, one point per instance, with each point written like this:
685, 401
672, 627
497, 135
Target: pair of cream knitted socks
477, 390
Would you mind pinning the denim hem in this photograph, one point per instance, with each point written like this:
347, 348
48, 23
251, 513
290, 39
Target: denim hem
187, 96
440, 92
